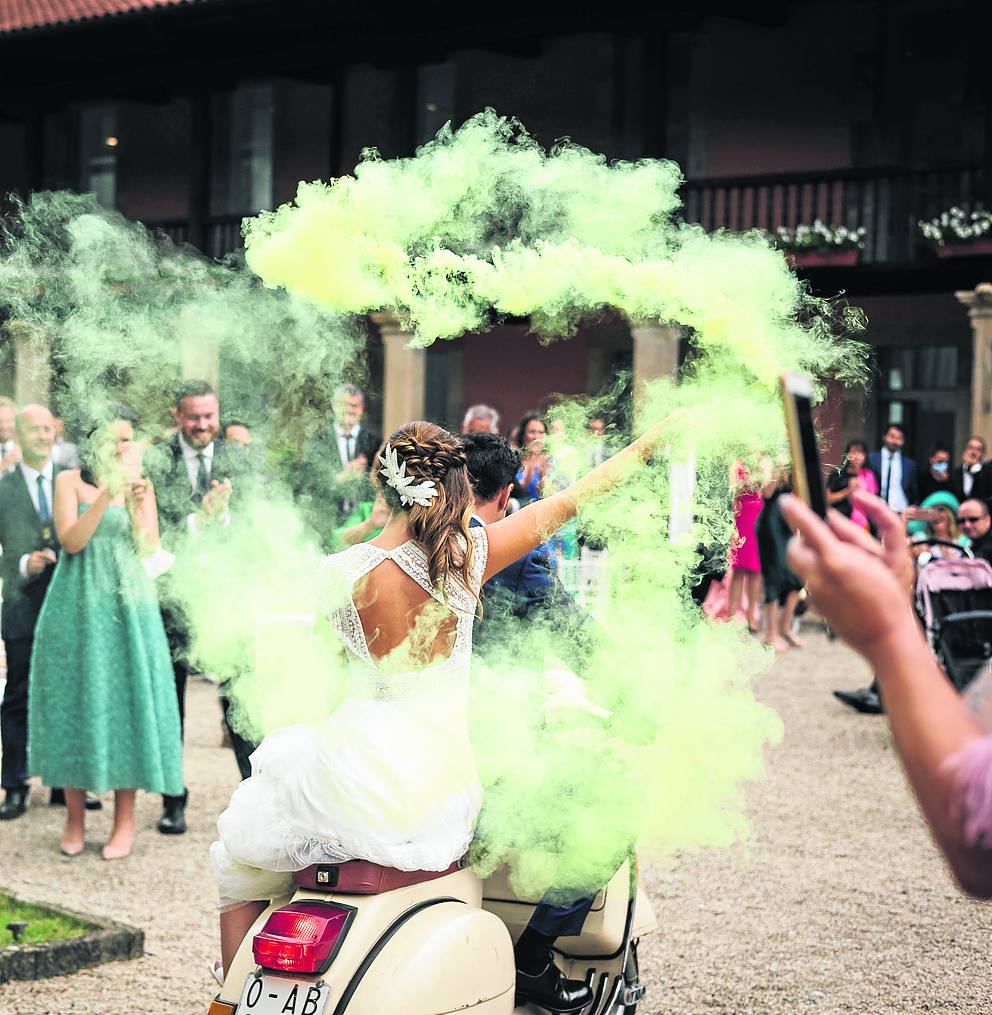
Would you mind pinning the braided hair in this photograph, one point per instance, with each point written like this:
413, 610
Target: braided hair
430, 452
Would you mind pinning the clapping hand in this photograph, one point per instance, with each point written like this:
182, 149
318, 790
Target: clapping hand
216, 499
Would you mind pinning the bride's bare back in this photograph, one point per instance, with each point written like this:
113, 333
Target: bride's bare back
401, 620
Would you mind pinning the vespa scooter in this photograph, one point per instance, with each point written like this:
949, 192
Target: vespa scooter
362, 939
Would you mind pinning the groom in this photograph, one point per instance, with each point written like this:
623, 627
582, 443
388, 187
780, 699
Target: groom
528, 591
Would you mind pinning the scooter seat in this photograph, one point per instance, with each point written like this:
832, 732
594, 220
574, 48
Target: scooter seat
361, 877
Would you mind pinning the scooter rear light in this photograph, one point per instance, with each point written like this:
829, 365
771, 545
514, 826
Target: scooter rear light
303, 937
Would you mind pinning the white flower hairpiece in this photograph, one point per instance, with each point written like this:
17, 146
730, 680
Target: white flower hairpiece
410, 491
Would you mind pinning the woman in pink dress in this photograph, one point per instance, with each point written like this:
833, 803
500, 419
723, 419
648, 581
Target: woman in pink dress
745, 567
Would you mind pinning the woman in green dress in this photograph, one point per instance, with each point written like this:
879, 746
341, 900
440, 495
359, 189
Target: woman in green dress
103, 711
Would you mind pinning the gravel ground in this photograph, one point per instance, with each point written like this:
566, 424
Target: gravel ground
839, 904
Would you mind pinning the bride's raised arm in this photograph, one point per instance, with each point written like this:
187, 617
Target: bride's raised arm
511, 537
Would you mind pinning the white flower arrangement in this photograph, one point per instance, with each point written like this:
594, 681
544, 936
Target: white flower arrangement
819, 236
410, 491
956, 225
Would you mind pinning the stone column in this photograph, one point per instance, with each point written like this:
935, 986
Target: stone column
656, 355
32, 363
404, 374
979, 304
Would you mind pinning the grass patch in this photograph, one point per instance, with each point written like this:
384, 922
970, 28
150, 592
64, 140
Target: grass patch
42, 924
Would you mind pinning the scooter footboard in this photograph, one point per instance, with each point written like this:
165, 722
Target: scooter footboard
604, 928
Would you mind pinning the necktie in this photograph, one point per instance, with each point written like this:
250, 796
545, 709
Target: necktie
202, 477
886, 469
43, 511
351, 446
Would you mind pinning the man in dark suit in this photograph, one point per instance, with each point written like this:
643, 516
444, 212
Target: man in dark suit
30, 548
195, 476
896, 474
973, 477
332, 478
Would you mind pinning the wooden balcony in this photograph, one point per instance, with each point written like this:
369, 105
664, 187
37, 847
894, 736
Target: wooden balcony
887, 202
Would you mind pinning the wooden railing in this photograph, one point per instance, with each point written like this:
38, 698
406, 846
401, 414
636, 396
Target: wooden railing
887, 202
223, 233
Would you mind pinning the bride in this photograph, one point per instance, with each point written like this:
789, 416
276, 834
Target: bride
389, 777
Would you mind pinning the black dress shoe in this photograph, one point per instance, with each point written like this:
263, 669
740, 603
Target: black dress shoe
549, 989
864, 699
57, 799
173, 820
15, 804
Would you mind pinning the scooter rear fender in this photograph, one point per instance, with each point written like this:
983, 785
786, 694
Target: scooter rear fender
420, 950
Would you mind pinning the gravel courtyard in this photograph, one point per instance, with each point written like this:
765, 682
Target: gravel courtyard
839, 904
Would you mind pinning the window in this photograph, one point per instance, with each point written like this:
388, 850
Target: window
98, 144
242, 150
435, 99
917, 368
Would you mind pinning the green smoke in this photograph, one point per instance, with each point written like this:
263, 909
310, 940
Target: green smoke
481, 224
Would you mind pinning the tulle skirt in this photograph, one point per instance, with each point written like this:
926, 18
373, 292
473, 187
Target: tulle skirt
392, 781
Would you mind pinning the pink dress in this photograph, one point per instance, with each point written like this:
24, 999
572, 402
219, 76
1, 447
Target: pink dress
747, 507
869, 483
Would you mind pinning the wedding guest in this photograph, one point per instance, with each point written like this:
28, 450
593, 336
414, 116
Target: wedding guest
745, 564
331, 479
528, 439
938, 475
480, 419
973, 477
195, 474
780, 586
895, 473
851, 475
103, 707
975, 523
64, 453
941, 524
237, 434
30, 548
10, 453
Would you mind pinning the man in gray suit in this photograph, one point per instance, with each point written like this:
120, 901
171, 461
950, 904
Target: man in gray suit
30, 548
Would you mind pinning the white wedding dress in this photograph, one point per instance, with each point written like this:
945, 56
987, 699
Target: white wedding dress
389, 777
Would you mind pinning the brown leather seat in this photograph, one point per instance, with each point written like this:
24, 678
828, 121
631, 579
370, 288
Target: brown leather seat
361, 877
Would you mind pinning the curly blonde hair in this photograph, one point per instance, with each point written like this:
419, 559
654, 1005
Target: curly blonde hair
442, 527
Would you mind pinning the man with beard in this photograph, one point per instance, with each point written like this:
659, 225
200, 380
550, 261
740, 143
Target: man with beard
194, 482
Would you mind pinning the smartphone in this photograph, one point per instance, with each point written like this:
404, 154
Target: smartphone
807, 473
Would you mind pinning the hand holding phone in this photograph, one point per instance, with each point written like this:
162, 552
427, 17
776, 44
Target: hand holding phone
807, 473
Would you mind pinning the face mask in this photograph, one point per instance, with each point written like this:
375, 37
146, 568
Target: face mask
940, 468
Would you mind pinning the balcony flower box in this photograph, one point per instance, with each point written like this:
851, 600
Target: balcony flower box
959, 232
976, 248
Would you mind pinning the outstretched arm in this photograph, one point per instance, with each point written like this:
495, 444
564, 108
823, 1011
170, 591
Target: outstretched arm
861, 586
512, 537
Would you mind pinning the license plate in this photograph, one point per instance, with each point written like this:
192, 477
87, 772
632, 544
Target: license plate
281, 995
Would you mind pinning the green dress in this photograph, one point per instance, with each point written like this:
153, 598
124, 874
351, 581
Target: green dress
102, 709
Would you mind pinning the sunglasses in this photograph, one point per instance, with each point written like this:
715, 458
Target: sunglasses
968, 519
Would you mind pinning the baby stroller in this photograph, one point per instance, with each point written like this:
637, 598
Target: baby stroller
954, 604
